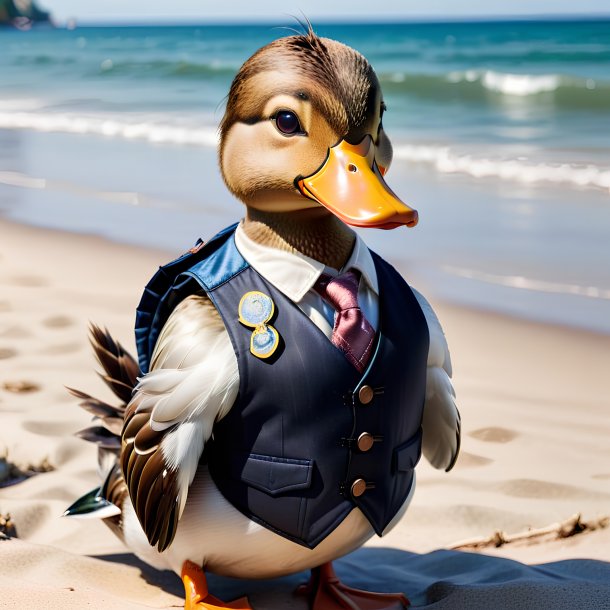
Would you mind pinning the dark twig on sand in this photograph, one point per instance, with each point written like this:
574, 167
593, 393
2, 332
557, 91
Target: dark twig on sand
564, 529
7, 527
11, 474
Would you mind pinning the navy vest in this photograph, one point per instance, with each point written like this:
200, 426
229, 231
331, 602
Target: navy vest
308, 438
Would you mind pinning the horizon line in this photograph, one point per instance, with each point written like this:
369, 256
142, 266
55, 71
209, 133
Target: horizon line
332, 20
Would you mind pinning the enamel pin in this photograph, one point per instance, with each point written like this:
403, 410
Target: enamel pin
255, 310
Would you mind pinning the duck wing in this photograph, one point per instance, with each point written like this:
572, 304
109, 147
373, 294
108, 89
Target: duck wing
441, 422
193, 383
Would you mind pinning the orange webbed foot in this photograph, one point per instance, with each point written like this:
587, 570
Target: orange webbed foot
327, 592
197, 594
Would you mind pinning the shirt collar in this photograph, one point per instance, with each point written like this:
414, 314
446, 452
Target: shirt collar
295, 274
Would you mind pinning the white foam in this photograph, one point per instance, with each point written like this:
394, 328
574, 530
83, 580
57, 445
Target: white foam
508, 83
21, 104
447, 161
520, 84
22, 180
110, 126
524, 283
129, 198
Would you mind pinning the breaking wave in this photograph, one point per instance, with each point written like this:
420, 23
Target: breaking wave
164, 130
145, 129
510, 84
446, 161
478, 85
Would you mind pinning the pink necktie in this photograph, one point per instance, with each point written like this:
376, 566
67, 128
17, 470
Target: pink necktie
352, 333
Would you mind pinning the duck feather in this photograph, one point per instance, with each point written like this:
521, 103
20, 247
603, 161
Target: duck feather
441, 421
172, 413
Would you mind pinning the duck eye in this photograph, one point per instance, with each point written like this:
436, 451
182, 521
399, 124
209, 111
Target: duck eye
287, 122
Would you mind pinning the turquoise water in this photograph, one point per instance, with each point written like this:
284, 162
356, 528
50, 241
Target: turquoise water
475, 98
501, 134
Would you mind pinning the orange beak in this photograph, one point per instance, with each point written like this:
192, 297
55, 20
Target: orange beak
350, 184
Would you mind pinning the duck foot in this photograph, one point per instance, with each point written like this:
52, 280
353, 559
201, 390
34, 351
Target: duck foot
327, 592
197, 595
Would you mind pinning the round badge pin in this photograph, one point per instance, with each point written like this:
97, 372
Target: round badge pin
264, 341
255, 310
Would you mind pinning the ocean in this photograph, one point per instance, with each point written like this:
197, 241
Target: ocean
501, 134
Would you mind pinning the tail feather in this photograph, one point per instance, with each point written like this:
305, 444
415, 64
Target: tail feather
92, 506
120, 373
120, 389
120, 367
97, 407
102, 437
103, 502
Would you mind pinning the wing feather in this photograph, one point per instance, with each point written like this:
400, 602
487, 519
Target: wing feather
193, 383
441, 422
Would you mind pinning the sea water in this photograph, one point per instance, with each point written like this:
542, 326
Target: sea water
501, 134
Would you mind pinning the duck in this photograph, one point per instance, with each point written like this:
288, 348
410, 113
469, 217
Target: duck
254, 438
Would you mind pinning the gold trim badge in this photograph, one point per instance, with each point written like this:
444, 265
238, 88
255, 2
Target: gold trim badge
255, 310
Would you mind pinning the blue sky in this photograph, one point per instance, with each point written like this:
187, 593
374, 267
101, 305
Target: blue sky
278, 10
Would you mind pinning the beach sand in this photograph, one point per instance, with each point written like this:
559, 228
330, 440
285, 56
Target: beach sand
534, 401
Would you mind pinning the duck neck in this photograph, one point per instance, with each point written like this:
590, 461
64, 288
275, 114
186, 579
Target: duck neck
312, 232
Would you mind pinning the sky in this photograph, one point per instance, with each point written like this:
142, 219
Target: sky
320, 10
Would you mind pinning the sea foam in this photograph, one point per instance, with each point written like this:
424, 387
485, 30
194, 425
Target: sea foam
525, 283
509, 84
442, 158
110, 126
446, 161
520, 84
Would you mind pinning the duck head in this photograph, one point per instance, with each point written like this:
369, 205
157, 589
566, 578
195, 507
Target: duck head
303, 129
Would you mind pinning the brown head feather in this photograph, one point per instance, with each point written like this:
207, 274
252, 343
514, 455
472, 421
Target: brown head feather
341, 82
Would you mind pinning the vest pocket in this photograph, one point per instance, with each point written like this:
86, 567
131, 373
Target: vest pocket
407, 455
276, 476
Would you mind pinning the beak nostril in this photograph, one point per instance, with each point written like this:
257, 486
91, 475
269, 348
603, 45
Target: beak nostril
352, 168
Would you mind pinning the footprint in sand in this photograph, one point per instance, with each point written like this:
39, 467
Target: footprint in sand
5, 306
601, 477
15, 332
29, 281
470, 460
7, 352
533, 488
494, 435
58, 322
64, 348
47, 428
33, 517
20, 387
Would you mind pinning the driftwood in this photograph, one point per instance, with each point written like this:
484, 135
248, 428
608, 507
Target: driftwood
564, 529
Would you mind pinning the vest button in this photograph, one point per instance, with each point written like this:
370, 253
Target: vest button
358, 487
365, 394
365, 441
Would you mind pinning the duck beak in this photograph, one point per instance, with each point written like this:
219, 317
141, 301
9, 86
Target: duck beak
350, 184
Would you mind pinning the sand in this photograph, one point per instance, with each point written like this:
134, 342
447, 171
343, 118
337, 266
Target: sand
534, 400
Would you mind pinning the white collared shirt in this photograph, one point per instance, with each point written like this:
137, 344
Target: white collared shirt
194, 377
295, 275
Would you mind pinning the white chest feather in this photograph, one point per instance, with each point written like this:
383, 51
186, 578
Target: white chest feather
212, 533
